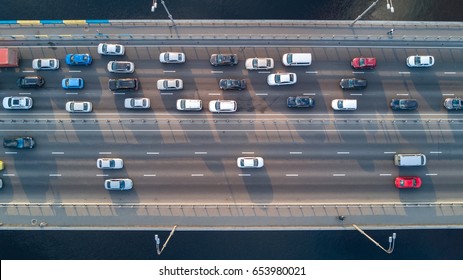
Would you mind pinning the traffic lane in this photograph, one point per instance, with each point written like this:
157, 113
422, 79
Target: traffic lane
209, 180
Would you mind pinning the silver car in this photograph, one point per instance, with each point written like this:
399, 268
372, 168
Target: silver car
45, 64
109, 163
17, 102
121, 67
118, 184
222, 106
281, 79
172, 57
137, 103
111, 49
250, 162
79, 106
170, 84
420, 61
259, 63
189, 104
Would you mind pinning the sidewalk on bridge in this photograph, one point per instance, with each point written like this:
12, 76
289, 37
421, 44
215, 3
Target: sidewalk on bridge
238, 29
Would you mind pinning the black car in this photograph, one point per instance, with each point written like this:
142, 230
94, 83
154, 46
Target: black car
224, 59
123, 84
404, 104
19, 142
353, 83
30, 82
300, 102
232, 84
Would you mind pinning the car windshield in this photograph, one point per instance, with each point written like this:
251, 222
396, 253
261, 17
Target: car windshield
277, 78
457, 103
340, 104
182, 103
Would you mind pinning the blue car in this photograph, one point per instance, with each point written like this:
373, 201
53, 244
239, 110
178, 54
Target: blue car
72, 83
79, 59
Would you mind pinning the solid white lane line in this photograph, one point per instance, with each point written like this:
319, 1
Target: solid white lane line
24, 93
389, 152
9, 174
169, 71
57, 153
152, 153
104, 153
247, 153
450, 73
216, 72
339, 174
343, 153
200, 153
435, 152
295, 153
292, 175
167, 93
149, 175
431, 174
102, 175
55, 175
242, 175
197, 175
11, 153
385, 174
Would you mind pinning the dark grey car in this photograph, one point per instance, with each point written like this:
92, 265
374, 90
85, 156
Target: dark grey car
30, 82
353, 83
404, 104
226, 84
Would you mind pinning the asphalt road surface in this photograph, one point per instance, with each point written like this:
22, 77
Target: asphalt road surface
311, 155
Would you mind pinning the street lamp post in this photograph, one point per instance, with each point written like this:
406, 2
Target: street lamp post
391, 240
154, 6
158, 241
388, 6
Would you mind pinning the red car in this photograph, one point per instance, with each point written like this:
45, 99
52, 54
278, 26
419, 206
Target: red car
363, 63
408, 182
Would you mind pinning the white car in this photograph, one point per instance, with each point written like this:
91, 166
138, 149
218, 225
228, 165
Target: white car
189, 105
259, 63
281, 79
17, 102
79, 106
118, 184
170, 84
250, 162
109, 163
222, 106
172, 57
45, 64
121, 67
111, 49
137, 103
344, 104
420, 61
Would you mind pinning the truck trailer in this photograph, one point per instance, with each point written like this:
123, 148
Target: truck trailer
9, 58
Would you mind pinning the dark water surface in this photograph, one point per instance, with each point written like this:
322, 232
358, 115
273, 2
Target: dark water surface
212, 245
413, 10
410, 244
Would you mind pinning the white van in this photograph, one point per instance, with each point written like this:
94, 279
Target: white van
344, 104
410, 160
297, 59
